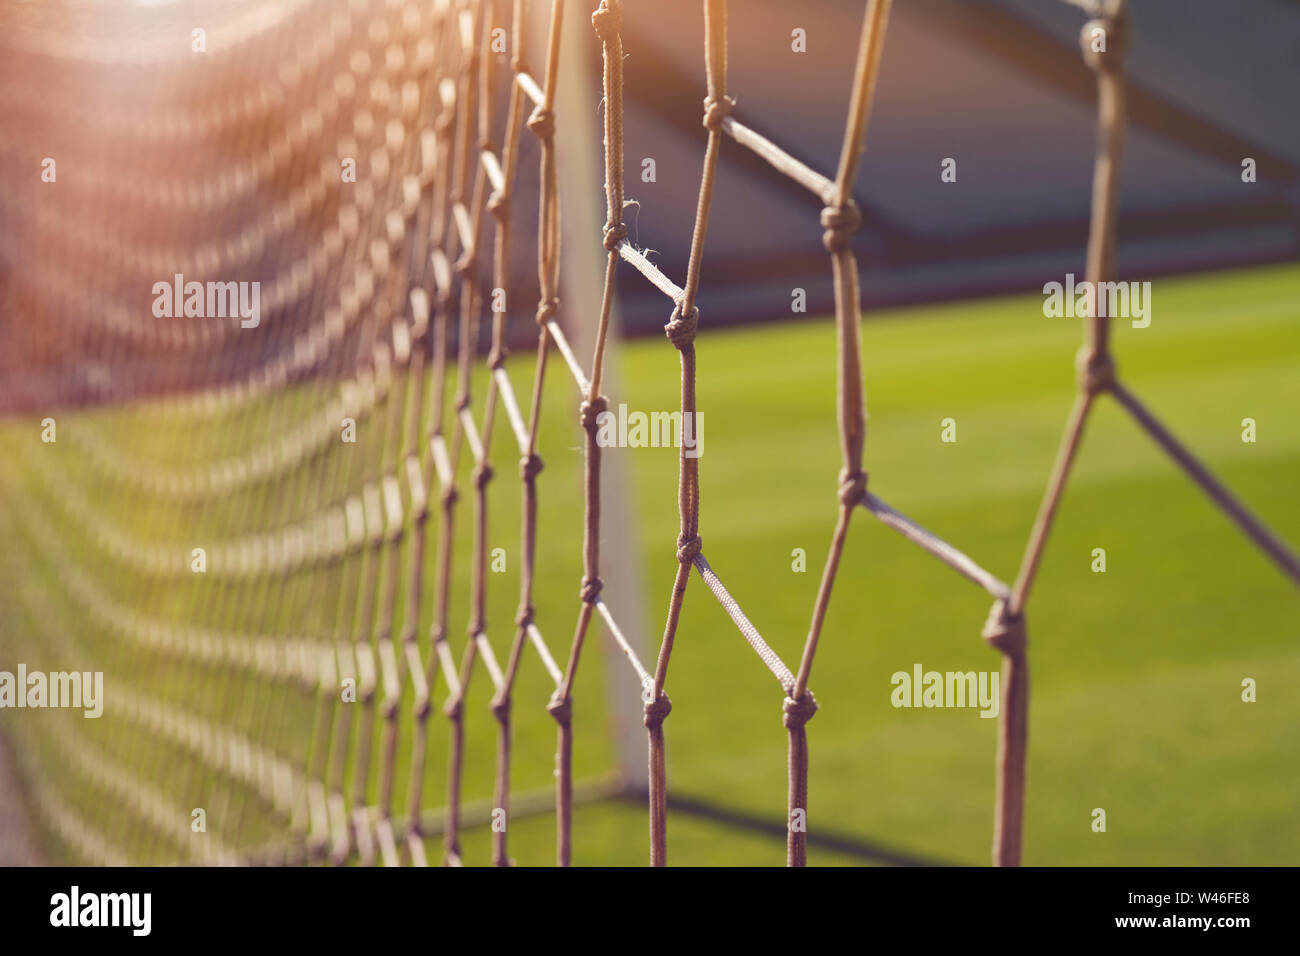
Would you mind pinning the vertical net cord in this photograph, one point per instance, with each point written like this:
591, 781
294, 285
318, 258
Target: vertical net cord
604, 20
541, 124
328, 839
448, 219
402, 435
840, 219
680, 330
409, 665
373, 628
467, 271
402, 664
346, 633
438, 468
376, 812
499, 205
1005, 629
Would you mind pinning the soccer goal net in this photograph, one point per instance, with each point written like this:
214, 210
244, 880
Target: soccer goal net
242, 511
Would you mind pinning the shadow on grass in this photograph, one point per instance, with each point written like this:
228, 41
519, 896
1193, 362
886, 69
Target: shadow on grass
723, 815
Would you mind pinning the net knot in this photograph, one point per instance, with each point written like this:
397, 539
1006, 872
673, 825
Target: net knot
1004, 631
681, 329
530, 466
656, 711
1114, 38
498, 204
464, 266
482, 475
853, 488
496, 358
840, 223
591, 410
590, 590
449, 497
606, 21
546, 310
462, 401
561, 708
796, 713
715, 111
525, 615
541, 123
688, 548
423, 706
615, 232
1096, 370
501, 708
454, 708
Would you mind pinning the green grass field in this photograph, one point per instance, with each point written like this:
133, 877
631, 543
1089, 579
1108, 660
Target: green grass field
1136, 673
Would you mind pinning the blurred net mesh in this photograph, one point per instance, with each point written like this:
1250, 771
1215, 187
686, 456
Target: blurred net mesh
375, 296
